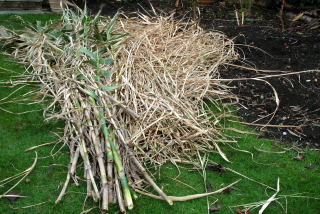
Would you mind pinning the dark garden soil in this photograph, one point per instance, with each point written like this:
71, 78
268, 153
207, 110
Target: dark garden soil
263, 44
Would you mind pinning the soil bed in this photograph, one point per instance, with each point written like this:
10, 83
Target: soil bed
264, 45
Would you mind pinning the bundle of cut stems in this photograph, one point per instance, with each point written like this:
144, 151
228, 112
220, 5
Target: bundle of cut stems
130, 91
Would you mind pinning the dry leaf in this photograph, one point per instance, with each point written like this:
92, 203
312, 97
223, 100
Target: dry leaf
216, 167
242, 211
216, 208
12, 196
227, 191
310, 166
298, 157
296, 18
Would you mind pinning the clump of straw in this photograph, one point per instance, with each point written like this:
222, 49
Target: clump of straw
130, 91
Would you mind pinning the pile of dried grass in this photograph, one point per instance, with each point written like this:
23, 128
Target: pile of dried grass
130, 92
166, 70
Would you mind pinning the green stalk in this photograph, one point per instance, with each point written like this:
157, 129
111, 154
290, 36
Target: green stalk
122, 176
107, 137
137, 163
110, 159
93, 134
115, 157
99, 116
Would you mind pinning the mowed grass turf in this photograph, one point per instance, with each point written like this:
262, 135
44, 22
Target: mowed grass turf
19, 132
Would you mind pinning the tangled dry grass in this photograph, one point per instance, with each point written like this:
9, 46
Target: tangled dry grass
130, 90
166, 70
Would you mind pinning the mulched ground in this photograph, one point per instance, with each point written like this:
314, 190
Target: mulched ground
264, 45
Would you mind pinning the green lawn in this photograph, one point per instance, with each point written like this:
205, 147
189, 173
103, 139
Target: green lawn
19, 132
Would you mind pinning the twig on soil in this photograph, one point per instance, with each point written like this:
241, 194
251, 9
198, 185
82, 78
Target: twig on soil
267, 125
254, 69
266, 76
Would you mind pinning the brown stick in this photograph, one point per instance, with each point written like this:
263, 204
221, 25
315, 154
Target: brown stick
74, 164
70, 173
283, 4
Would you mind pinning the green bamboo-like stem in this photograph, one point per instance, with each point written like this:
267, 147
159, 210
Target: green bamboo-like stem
107, 137
99, 115
134, 194
116, 159
120, 171
137, 163
110, 159
99, 158
122, 176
